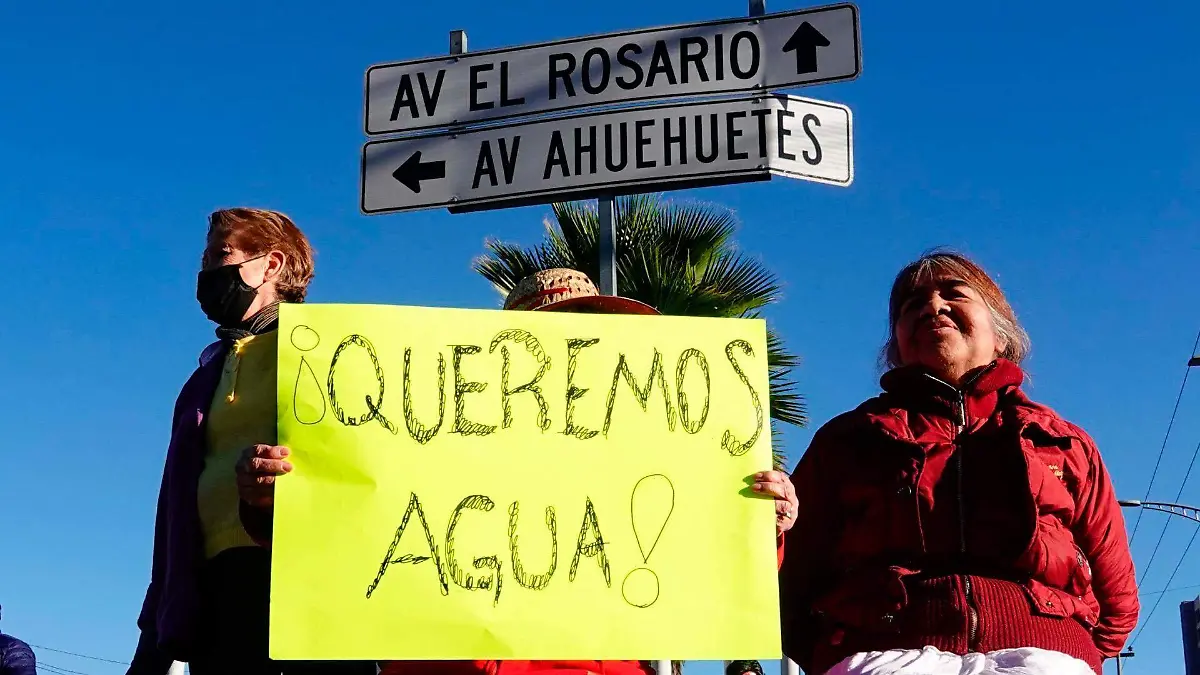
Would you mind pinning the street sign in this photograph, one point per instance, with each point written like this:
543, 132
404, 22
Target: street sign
665, 146
718, 57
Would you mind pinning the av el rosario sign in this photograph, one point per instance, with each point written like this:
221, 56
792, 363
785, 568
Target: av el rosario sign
642, 149
718, 57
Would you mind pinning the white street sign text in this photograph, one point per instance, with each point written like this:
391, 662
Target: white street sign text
638, 150
746, 54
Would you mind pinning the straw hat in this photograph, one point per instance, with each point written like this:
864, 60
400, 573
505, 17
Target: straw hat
566, 290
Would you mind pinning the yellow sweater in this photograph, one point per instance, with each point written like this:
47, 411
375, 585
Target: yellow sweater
242, 414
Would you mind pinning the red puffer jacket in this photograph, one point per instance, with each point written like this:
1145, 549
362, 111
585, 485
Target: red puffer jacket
967, 519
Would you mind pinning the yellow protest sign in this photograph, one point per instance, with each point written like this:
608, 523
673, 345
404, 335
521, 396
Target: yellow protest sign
474, 484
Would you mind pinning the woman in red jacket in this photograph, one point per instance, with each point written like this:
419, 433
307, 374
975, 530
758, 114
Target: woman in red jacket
952, 525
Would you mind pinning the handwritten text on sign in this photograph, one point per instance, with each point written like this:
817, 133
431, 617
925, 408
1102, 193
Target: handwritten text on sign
483, 484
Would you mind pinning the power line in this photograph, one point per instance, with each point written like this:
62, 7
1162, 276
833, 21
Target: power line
1163, 532
1168, 584
59, 670
82, 656
1168, 590
1154, 474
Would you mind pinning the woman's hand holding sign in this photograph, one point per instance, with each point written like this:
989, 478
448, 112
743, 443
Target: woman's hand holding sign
256, 472
776, 484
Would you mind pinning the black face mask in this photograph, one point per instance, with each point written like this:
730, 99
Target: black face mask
223, 295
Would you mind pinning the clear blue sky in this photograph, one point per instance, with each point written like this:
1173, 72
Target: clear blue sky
1059, 145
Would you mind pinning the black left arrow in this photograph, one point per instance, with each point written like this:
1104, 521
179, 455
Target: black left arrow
413, 171
805, 42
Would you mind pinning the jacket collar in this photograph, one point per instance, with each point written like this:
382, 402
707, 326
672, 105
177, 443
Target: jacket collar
976, 398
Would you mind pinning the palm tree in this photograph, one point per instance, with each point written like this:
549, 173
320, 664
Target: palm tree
679, 258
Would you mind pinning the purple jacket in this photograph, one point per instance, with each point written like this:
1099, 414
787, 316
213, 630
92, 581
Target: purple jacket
16, 658
169, 610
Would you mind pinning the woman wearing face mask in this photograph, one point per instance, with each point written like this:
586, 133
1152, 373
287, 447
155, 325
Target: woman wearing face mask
208, 599
952, 525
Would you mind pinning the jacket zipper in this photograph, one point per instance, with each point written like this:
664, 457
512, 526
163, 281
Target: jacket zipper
960, 424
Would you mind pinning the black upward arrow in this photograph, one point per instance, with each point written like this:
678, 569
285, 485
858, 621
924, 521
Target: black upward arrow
413, 171
805, 42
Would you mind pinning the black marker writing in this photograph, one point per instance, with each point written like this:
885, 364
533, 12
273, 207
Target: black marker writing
414, 504
593, 550
537, 581
419, 432
449, 569
305, 339
680, 373
657, 373
477, 503
462, 387
574, 393
650, 507
531, 344
728, 440
373, 406
523, 363
307, 378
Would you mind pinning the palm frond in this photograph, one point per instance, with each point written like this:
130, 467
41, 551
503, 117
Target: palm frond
572, 235
637, 217
787, 403
506, 264
742, 284
660, 279
678, 257
778, 456
697, 232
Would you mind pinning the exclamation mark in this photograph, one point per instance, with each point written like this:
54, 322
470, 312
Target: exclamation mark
651, 506
306, 339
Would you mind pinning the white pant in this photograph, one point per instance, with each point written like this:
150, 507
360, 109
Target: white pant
932, 661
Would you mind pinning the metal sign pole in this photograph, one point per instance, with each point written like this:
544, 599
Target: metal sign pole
458, 42
608, 230
607, 239
607, 236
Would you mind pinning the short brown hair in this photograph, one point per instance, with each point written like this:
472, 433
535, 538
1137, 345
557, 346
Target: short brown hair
945, 263
256, 231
